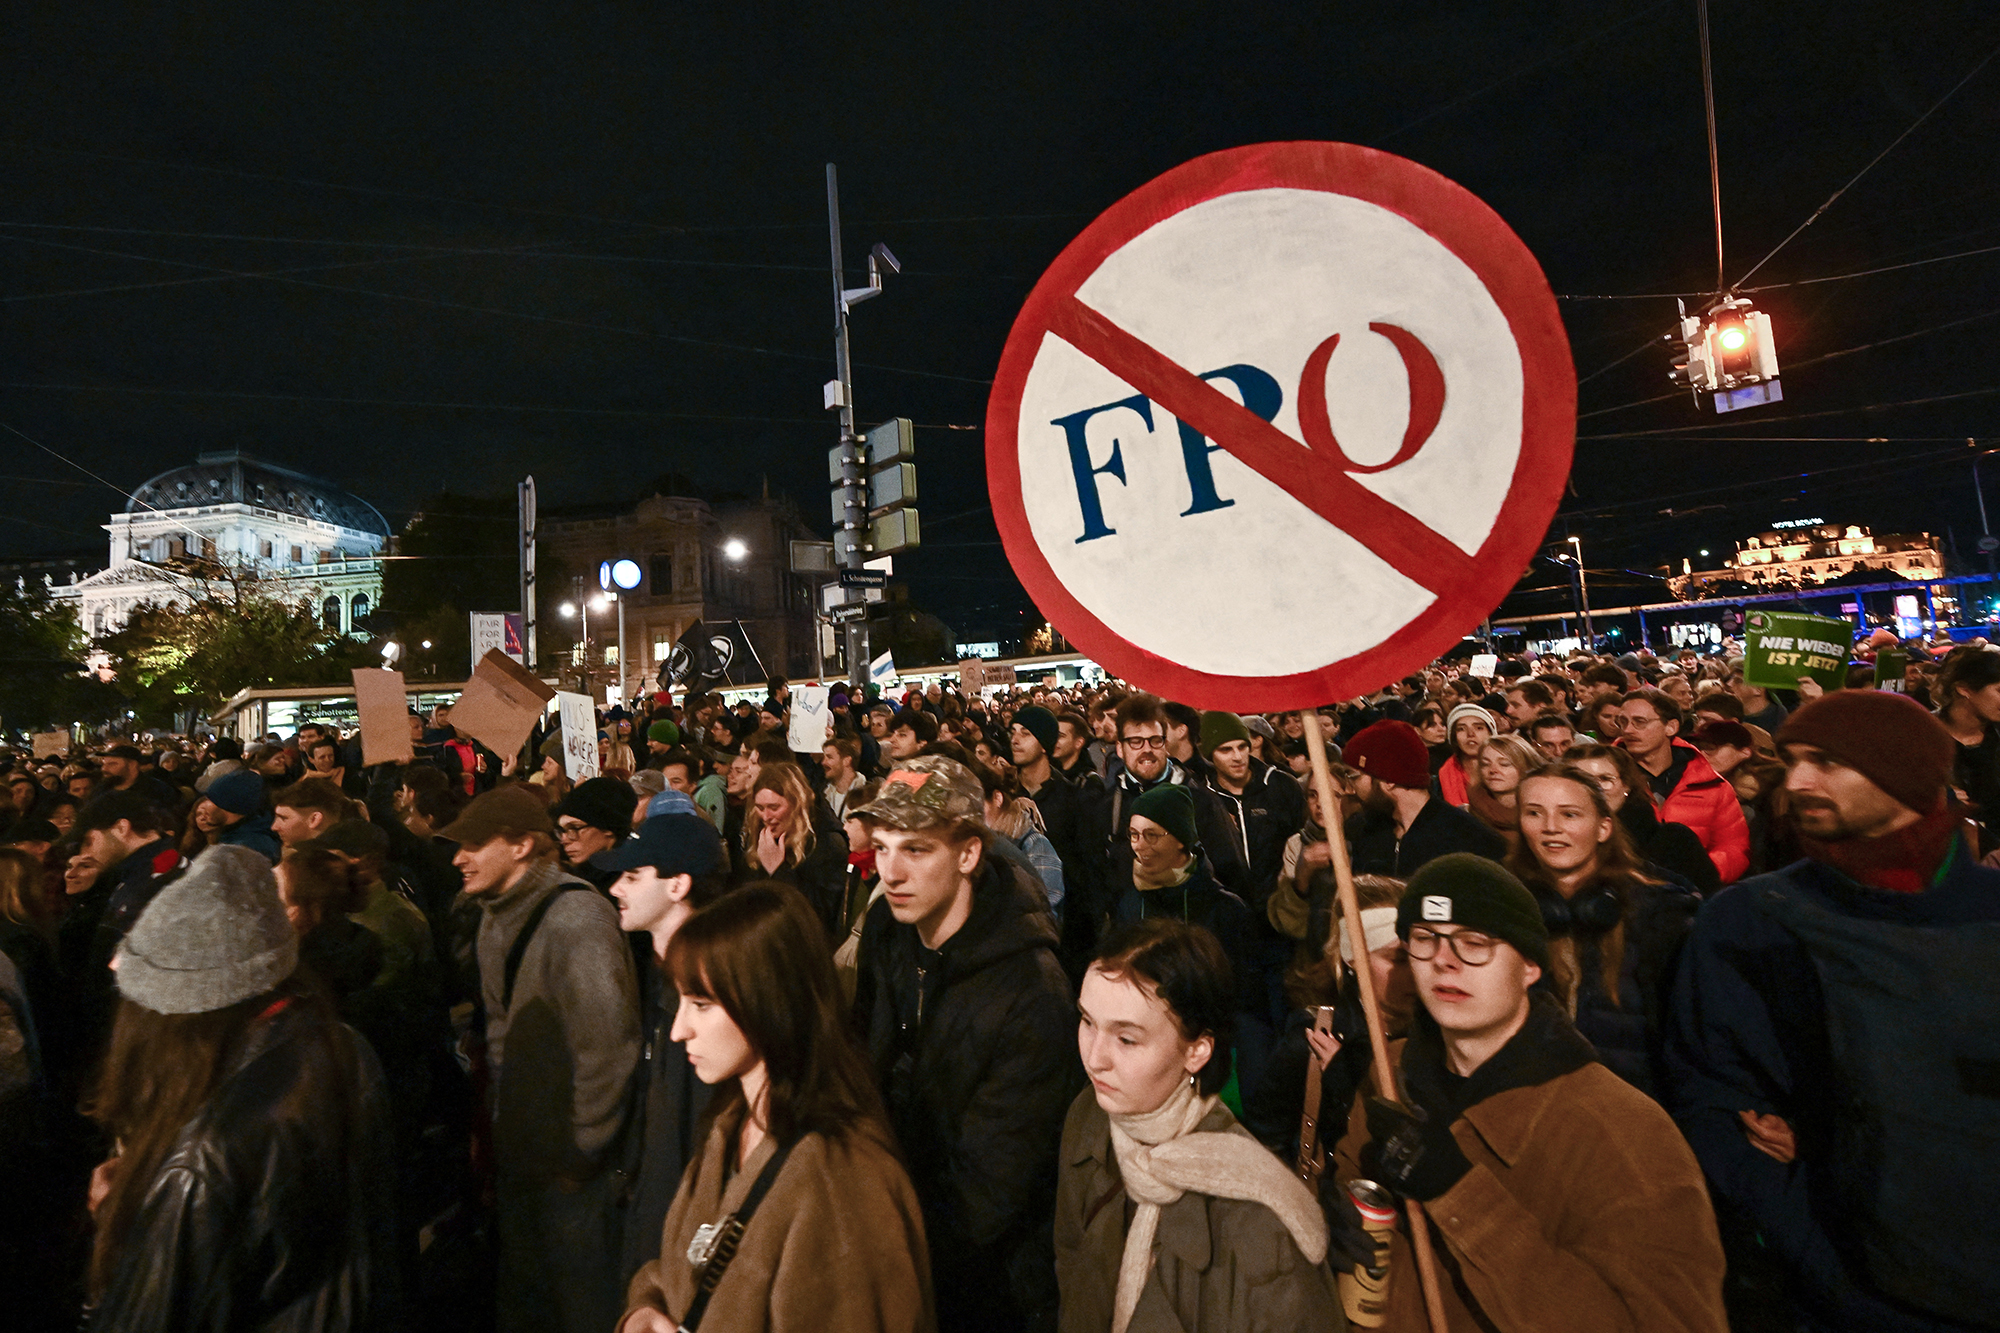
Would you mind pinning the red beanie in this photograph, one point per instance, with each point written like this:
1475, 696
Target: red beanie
1890, 739
1390, 752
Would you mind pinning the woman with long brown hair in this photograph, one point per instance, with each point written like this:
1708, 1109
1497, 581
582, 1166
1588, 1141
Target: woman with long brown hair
785, 839
1616, 929
797, 1214
1496, 776
252, 1182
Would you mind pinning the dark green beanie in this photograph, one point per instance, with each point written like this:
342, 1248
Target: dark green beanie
1041, 724
1220, 729
665, 732
1461, 889
1172, 808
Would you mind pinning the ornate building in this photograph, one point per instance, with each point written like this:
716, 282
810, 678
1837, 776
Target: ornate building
729, 561
315, 540
1812, 553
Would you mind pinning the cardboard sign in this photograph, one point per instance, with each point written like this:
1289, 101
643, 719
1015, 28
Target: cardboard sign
51, 744
811, 720
971, 676
1483, 665
501, 704
1320, 393
384, 706
579, 734
1781, 646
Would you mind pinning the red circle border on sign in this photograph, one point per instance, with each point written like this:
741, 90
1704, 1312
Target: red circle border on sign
1459, 221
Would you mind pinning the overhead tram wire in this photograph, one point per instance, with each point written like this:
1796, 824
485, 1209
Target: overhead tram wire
64, 458
664, 228
1527, 67
284, 276
1714, 160
1781, 286
557, 409
539, 250
1798, 416
1809, 361
1832, 198
216, 274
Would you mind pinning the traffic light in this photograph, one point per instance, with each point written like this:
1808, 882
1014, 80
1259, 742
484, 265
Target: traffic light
1728, 353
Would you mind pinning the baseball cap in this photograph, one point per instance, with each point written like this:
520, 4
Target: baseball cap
926, 792
676, 844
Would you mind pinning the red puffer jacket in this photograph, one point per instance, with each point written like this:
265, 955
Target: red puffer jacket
1705, 802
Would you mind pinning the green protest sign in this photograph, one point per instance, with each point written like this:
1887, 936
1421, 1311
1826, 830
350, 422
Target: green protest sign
1890, 666
1781, 646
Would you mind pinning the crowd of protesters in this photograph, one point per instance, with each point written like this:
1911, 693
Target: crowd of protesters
1022, 1011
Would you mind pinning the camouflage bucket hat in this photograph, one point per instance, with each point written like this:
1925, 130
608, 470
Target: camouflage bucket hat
926, 792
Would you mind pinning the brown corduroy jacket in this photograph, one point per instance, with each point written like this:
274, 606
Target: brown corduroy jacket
836, 1246
1584, 1212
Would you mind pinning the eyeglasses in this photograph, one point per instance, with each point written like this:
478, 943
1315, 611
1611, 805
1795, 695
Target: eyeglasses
570, 830
1151, 837
1472, 948
1143, 742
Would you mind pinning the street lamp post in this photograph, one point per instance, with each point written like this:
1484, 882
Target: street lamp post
1986, 543
1583, 595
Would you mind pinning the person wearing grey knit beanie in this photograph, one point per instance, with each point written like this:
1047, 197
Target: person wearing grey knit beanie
254, 1168
213, 937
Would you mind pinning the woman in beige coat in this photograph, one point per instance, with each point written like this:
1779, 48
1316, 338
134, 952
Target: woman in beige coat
836, 1244
1169, 1215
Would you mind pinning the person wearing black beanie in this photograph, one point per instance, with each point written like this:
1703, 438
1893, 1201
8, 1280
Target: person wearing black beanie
1565, 1198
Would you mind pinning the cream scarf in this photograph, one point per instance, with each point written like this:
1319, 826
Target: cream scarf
1161, 1158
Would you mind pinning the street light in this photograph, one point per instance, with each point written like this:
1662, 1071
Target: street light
736, 548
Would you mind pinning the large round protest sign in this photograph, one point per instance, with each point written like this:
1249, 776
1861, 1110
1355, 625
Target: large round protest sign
1280, 426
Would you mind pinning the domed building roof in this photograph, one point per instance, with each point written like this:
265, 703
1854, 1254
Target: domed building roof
233, 477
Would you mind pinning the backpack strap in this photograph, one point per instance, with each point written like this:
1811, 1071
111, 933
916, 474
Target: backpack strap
519, 948
718, 1246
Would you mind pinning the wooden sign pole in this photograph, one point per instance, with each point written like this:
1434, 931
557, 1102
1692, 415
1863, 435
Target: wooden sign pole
1371, 1005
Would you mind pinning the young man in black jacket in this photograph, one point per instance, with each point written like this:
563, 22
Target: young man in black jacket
659, 879
1402, 825
971, 1030
1267, 806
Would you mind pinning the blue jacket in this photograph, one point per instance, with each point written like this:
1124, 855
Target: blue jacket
1748, 1030
254, 833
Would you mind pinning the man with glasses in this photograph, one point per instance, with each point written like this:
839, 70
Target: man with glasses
1565, 1198
1144, 765
1685, 788
595, 817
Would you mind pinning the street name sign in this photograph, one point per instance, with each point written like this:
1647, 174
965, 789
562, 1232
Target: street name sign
1281, 426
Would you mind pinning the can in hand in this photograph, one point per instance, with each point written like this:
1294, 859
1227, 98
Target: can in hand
1364, 1291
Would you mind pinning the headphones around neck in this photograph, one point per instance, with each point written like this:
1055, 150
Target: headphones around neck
1595, 911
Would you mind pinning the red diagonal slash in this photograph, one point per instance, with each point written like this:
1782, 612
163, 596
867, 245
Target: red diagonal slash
1405, 542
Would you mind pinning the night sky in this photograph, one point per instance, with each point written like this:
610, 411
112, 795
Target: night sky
407, 247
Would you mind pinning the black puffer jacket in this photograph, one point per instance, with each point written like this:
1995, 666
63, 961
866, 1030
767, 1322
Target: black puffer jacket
275, 1209
978, 1068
